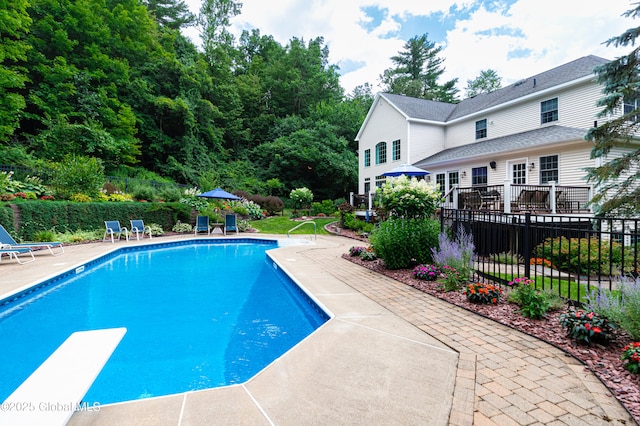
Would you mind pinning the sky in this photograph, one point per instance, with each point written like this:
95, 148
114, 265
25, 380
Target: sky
516, 38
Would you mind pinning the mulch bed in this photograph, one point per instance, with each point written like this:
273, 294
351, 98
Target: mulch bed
603, 361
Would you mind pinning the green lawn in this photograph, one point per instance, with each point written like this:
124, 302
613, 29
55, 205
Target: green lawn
282, 225
567, 289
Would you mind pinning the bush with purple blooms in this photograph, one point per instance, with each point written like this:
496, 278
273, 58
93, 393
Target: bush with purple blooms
426, 272
356, 250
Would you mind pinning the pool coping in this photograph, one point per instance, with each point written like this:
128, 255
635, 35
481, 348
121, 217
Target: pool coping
331, 375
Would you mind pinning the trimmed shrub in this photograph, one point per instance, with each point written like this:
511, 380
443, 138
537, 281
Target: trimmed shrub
273, 204
403, 243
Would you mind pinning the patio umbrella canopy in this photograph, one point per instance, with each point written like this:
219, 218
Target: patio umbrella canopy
406, 169
219, 193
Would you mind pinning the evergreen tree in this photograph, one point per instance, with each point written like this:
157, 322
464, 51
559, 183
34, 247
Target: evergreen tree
486, 82
170, 13
417, 70
617, 178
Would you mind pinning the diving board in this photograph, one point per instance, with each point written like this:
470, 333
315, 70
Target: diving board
51, 394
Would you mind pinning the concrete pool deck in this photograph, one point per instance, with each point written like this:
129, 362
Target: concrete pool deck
390, 355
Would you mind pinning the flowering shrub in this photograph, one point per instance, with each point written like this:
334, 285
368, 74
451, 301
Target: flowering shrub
22, 195
409, 198
356, 250
119, 197
452, 279
585, 327
368, 254
520, 280
426, 272
301, 196
621, 307
631, 357
483, 293
540, 261
456, 253
48, 197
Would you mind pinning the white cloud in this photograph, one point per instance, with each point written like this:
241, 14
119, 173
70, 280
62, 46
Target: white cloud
546, 33
548, 36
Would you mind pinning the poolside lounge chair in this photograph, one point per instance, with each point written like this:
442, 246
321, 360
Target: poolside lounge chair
230, 223
137, 226
113, 229
14, 252
7, 242
202, 225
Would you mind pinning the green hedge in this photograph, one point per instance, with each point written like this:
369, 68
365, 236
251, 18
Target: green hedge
6, 217
66, 215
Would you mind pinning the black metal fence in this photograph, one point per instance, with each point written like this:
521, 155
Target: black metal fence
571, 255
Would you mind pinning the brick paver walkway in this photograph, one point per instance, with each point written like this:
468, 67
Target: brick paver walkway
504, 377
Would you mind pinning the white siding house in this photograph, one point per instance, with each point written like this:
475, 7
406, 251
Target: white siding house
528, 133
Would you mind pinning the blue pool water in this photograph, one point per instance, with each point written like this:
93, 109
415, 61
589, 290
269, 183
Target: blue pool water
198, 316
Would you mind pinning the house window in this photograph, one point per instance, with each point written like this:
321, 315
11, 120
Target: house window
367, 185
481, 129
440, 181
367, 157
549, 169
395, 150
549, 111
479, 176
381, 153
519, 173
380, 180
630, 105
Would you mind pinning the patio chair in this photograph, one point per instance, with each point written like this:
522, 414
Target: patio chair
14, 252
7, 241
230, 223
137, 226
114, 229
471, 200
202, 225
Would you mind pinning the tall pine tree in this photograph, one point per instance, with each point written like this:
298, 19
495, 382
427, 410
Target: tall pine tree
616, 139
417, 70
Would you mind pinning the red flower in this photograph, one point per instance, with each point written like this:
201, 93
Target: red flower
588, 326
597, 330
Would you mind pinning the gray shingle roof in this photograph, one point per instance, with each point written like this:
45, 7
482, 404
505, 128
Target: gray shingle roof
441, 111
545, 135
421, 109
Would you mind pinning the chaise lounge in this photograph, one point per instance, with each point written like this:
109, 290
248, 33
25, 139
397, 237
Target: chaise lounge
7, 242
15, 252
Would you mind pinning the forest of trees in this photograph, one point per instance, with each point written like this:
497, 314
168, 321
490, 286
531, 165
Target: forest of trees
117, 81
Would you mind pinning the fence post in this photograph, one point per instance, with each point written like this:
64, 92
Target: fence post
507, 196
552, 196
526, 244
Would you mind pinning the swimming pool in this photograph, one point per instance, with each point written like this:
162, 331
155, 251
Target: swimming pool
198, 314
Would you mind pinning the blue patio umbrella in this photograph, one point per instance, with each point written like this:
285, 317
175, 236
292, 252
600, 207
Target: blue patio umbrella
406, 169
219, 193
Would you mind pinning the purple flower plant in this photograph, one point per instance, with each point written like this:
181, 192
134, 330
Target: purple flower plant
426, 272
